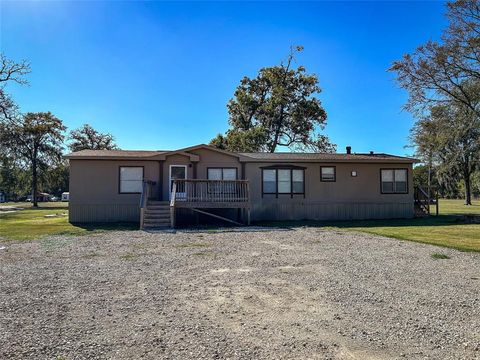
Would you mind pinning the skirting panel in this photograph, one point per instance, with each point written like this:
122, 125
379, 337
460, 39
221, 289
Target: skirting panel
331, 211
104, 213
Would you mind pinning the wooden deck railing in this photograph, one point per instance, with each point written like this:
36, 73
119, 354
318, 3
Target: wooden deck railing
422, 200
211, 193
146, 192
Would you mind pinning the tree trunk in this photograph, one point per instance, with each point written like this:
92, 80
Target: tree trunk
468, 192
34, 181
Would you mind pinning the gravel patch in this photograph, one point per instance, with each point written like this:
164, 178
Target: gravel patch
261, 293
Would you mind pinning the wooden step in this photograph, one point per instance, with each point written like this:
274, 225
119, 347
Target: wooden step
150, 222
157, 212
158, 207
162, 210
156, 216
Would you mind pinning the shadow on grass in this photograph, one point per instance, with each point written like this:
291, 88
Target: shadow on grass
440, 220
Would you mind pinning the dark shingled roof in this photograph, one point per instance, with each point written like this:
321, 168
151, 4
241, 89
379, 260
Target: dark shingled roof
287, 156
254, 157
115, 153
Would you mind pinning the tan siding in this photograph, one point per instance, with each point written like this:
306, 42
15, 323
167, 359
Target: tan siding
346, 198
94, 195
94, 190
209, 158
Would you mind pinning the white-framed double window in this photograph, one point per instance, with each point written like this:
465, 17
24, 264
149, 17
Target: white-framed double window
394, 181
130, 179
222, 173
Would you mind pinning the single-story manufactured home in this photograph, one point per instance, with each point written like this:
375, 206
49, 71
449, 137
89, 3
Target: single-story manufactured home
158, 188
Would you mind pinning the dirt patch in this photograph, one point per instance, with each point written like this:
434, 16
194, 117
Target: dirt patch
303, 294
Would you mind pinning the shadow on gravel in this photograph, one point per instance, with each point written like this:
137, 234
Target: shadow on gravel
119, 226
226, 229
440, 220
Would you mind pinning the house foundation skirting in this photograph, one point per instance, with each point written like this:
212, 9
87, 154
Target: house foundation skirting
103, 213
303, 210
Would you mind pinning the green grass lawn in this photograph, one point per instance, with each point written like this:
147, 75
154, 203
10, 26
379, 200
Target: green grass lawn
446, 230
456, 207
32, 223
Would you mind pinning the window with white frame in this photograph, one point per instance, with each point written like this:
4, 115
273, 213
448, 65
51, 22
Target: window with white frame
283, 181
222, 173
131, 179
394, 181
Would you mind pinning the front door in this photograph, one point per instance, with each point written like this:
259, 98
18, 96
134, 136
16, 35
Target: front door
178, 172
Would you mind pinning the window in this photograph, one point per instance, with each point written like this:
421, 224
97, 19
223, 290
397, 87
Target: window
297, 181
327, 173
394, 181
269, 181
222, 174
131, 179
283, 181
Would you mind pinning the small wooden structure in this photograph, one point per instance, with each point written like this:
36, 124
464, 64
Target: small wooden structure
199, 195
423, 200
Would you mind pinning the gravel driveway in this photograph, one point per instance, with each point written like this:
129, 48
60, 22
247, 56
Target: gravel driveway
256, 294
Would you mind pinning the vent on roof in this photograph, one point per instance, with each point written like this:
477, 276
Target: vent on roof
371, 152
349, 150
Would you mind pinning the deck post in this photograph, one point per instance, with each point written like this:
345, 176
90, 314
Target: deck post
142, 217
248, 216
172, 216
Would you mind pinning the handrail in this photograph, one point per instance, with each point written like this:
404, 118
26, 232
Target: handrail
143, 196
174, 193
211, 191
209, 180
422, 199
146, 189
172, 203
424, 193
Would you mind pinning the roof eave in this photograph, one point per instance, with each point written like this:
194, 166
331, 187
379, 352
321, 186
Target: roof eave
367, 161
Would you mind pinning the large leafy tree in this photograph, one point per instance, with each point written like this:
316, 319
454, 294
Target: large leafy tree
54, 179
87, 137
36, 139
450, 138
279, 107
11, 72
443, 82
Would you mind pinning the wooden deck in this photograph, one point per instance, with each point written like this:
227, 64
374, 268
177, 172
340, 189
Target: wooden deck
210, 194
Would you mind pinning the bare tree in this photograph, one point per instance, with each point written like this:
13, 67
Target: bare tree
439, 72
10, 71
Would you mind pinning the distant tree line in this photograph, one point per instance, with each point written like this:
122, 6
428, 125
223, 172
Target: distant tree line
280, 107
443, 82
32, 144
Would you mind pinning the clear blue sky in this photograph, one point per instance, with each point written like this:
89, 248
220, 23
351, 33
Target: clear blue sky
158, 75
